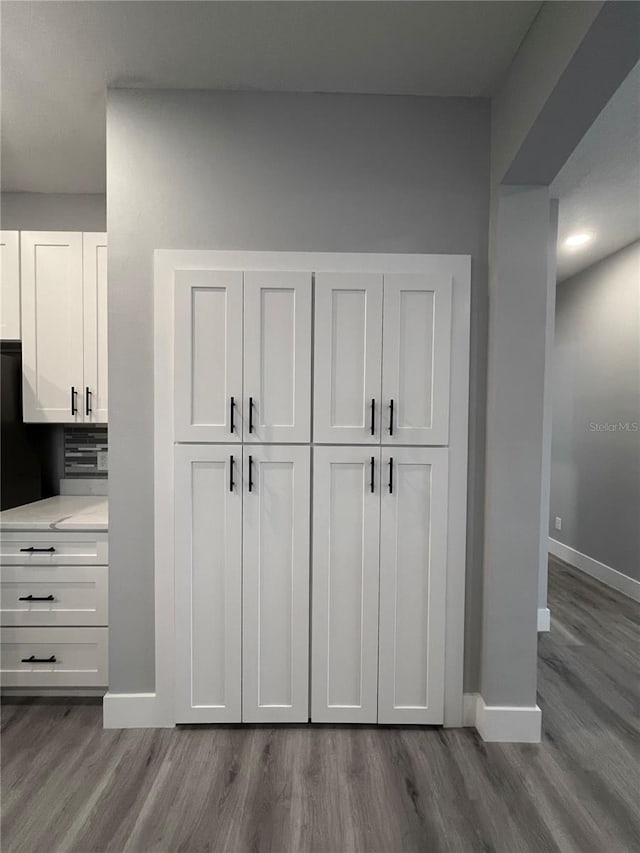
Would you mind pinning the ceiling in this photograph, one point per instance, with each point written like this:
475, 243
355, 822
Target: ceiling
599, 186
59, 57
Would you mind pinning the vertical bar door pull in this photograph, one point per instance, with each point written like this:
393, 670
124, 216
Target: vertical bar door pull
372, 474
250, 473
391, 475
373, 417
74, 396
391, 418
231, 483
250, 415
87, 398
232, 406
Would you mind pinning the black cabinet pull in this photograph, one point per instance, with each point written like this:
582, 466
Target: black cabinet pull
250, 414
372, 474
391, 418
36, 598
391, 475
87, 401
32, 550
34, 659
232, 407
250, 473
373, 417
231, 483
74, 400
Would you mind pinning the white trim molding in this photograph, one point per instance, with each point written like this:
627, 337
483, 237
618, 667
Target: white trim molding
544, 619
503, 723
133, 711
595, 569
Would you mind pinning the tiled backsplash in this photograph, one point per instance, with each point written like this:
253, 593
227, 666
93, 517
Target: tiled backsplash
81, 448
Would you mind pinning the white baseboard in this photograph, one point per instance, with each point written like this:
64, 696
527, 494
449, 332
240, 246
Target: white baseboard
601, 572
64, 692
133, 711
544, 619
503, 723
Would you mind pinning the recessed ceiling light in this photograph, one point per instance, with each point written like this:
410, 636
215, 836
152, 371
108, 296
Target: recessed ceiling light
577, 240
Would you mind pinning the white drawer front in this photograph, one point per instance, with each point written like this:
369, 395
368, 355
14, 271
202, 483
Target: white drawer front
53, 549
54, 657
53, 595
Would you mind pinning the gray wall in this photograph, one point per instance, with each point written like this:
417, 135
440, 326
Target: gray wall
53, 212
272, 172
595, 473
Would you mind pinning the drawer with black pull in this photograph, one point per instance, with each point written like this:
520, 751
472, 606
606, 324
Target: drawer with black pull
53, 595
53, 657
54, 548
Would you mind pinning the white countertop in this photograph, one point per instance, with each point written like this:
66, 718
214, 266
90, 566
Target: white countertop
64, 512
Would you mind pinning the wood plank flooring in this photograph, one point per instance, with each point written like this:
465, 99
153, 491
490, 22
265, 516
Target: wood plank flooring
67, 785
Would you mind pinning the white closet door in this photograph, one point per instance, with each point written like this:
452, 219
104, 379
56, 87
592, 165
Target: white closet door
95, 391
208, 355
208, 583
52, 323
417, 353
348, 357
10, 285
277, 356
413, 558
346, 535
275, 650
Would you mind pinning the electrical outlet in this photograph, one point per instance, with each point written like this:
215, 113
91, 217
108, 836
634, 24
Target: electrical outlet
558, 523
103, 460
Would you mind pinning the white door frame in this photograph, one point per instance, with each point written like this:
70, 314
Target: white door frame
158, 709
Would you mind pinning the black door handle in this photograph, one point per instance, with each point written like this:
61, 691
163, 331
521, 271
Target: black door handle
391, 475
373, 417
250, 414
87, 398
391, 418
250, 473
372, 474
74, 400
36, 598
232, 406
32, 550
231, 483
34, 659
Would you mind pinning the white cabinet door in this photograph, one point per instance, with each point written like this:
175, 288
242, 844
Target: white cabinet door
208, 355
52, 326
275, 650
277, 356
95, 391
348, 358
208, 583
9, 285
417, 351
413, 556
346, 528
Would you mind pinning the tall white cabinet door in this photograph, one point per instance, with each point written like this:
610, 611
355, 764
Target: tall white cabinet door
417, 353
413, 557
95, 391
277, 357
52, 326
208, 356
10, 285
208, 583
275, 650
348, 357
346, 531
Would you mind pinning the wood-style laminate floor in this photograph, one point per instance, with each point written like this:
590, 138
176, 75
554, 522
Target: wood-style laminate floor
69, 785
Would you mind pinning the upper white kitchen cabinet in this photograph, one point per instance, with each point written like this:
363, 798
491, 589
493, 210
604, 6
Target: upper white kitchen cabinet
382, 359
9, 285
64, 327
277, 357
